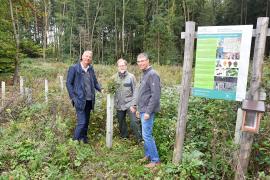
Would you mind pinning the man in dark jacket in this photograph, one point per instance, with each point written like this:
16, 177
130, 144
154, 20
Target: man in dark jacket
81, 85
148, 103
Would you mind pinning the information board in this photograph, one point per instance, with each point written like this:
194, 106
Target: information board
222, 61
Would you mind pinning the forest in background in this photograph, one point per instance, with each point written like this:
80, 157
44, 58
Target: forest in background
61, 30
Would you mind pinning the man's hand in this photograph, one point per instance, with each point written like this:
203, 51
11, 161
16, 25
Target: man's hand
146, 116
133, 109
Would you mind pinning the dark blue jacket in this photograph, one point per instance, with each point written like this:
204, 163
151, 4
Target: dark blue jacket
75, 85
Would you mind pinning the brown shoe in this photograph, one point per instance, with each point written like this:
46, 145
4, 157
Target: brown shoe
144, 159
152, 164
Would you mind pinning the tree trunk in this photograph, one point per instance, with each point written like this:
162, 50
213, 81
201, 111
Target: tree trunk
61, 50
80, 37
123, 28
102, 46
242, 11
70, 39
87, 10
94, 23
36, 34
184, 9
46, 14
144, 25
158, 44
17, 39
246, 8
115, 24
98, 50
267, 8
158, 37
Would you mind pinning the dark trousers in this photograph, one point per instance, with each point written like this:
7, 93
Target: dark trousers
83, 117
134, 124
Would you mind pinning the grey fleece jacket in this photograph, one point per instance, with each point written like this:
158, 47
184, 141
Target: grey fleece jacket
125, 95
148, 94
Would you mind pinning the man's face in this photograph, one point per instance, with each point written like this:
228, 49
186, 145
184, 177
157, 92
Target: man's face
122, 67
143, 63
86, 58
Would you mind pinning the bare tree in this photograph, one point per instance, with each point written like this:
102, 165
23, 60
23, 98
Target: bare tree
116, 36
123, 25
45, 31
94, 23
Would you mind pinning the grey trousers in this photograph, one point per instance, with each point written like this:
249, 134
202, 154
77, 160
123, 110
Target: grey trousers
134, 124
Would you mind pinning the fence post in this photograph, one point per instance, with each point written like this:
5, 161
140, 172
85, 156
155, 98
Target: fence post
3, 92
21, 86
246, 139
46, 90
109, 123
61, 83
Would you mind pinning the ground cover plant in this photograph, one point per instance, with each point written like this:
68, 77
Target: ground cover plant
35, 138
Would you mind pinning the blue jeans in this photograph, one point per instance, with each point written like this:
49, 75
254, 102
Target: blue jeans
150, 148
83, 117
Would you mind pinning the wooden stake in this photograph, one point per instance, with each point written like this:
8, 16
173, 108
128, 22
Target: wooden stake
184, 92
21, 86
28, 95
61, 83
109, 123
3, 92
46, 90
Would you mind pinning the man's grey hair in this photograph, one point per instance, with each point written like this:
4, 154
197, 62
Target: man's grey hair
121, 59
144, 55
88, 51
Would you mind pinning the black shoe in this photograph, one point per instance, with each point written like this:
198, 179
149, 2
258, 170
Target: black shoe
85, 141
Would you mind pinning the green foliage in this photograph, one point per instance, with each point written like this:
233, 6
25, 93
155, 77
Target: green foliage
30, 49
6, 65
112, 86
7, 43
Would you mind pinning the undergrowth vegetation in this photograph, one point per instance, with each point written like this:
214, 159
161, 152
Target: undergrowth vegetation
36, 137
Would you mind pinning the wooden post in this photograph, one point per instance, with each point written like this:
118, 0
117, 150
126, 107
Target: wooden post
109, 123
237, 132
3, 92
21, 86
61, 83
246, 139
46, 90
184, 92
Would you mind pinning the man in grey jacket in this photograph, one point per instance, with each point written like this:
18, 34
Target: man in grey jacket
148, 103
124, 99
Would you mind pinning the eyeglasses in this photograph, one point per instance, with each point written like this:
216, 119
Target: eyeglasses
122, 65
142, 60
